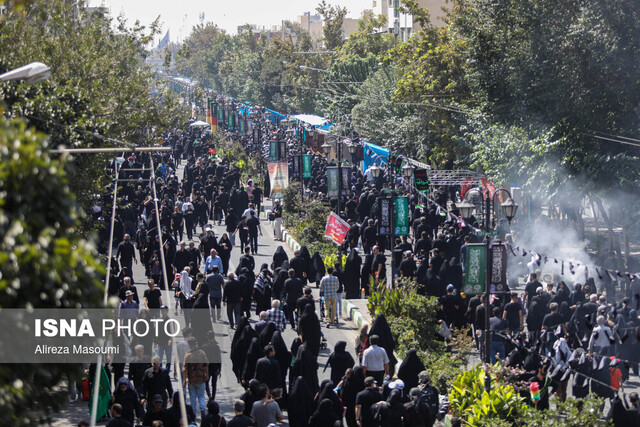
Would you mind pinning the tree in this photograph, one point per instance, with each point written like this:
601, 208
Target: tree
43, 262
99, 82
333, 18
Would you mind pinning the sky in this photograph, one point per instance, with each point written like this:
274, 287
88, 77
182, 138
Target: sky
179, 16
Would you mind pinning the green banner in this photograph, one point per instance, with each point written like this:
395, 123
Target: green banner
333, 182
273, 151
306, 165
242, 126
474, 268
401, 216
230, 121
220, 114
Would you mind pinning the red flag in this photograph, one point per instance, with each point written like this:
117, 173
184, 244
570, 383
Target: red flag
466, 185
212, 151
487, 186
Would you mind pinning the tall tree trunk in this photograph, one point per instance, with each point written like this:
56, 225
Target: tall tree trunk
595, 222
614, 245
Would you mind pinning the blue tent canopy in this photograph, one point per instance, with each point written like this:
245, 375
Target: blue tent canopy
374, 154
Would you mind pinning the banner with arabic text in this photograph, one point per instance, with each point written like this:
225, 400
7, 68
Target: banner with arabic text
336, 229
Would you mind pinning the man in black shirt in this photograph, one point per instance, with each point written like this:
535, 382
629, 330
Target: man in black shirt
302, 302
498, 329
530, 289
181, 259
365, 400
408, 266
513, 314
268, 369
379, 265
127, 253
153, 299
550, 322
253, 224
449, 304
240, 420
291, 292
232, 298
369, 236
156, 381
396, 256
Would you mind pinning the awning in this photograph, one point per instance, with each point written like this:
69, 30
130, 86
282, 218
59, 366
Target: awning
311, 119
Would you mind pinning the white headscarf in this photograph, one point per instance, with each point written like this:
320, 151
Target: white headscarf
185, 284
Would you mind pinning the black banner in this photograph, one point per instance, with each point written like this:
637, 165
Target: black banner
498, 269
421, 179
345, 181
384, 216
296, 167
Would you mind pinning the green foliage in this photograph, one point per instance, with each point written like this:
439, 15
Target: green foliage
330, 260
306, 222
567, 413
333, 18
478, 407
43, 262
99, 82
384, 300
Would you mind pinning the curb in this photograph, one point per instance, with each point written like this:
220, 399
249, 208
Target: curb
287, 238
354, 313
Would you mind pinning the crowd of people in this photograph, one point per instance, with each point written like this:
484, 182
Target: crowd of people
568, 337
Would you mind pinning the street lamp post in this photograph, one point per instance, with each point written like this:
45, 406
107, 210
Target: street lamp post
31, 73
509, 208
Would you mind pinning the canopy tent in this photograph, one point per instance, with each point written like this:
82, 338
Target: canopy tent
311, 119
199, 123
374, 154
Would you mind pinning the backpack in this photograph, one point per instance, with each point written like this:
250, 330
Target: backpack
430, 400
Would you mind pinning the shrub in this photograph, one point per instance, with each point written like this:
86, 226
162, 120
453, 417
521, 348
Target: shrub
469, 399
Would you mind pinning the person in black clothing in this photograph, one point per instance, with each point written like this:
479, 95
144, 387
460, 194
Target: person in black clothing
292, 291
407, 267
396, 256
513, 314
212, 351
299, 265
378, 265
340, 360
138, 367
156, 382
126, 398
240, 419
449, 304
246, 261
153, 299
304, 301
118, 420
498, 329
242, 228
365, 400
127, 253
253, 224
122, 292
544, 383
250, 396
369, 236
530, 289
268, 369
232, 299
158, 412
181, 259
